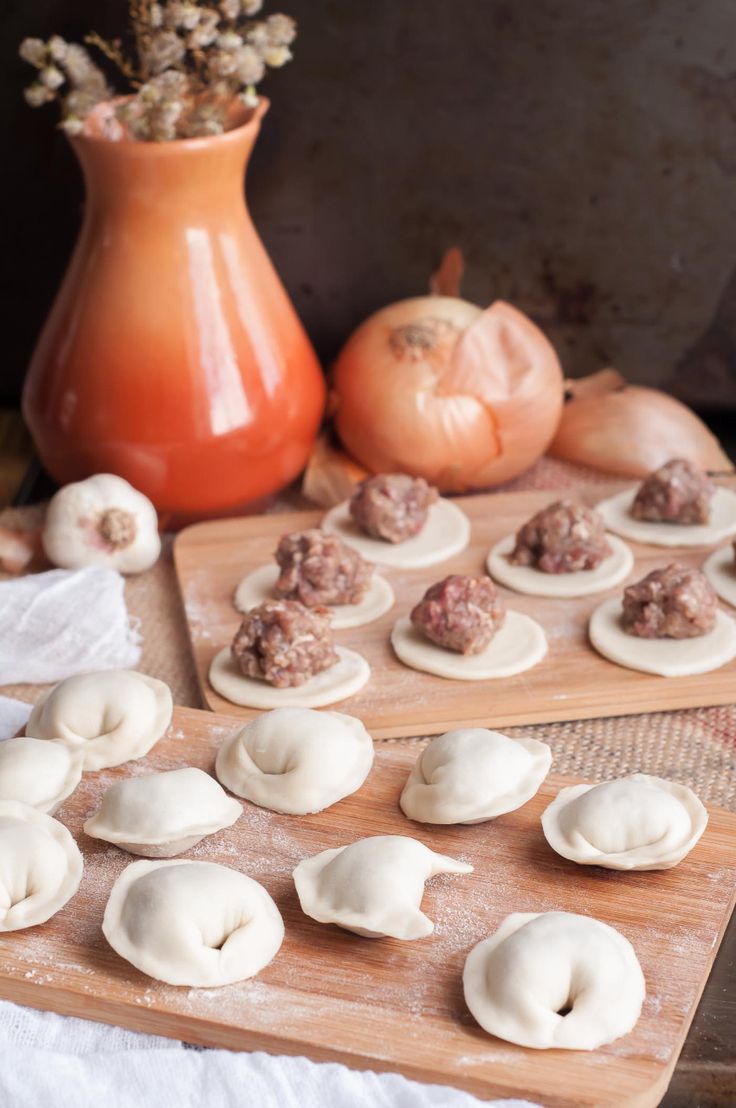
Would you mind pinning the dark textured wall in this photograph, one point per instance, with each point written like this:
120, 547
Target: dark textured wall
583, 154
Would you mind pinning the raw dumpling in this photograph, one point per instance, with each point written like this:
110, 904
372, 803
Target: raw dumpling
162, 814
192, 923
39, 773
554, 979
472, 775
637, 822
113, 716
296, 760
373, 887
40, 866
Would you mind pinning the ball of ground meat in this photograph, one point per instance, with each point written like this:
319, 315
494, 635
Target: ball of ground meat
318, 568
677, 492
460, 613
562, 538
284, 642
392, 506
677, 602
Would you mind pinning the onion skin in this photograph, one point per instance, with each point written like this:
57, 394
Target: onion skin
630, 430
438, 388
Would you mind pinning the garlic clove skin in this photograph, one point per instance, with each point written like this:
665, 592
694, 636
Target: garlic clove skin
101, 521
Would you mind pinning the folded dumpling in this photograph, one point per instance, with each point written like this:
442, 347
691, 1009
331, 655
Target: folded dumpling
113, 716
162, 814
40, 866
192, 923
39, 773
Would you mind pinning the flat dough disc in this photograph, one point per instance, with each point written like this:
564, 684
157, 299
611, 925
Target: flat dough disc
720, 569
518, 646
665, 657
612, 571
617, 517
258, 586
345, 678
446, 532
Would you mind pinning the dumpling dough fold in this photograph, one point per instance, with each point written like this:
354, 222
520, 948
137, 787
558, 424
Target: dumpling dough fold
296, 760
40, 866
38, 772
373, 886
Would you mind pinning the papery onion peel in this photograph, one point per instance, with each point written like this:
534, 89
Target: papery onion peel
630, 430
437, 387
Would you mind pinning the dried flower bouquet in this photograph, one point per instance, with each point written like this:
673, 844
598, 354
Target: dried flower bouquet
190, 64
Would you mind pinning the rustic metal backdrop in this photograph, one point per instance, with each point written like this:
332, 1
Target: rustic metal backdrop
582, 153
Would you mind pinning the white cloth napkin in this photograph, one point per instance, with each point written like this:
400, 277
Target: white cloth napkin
46, 1059
55, 624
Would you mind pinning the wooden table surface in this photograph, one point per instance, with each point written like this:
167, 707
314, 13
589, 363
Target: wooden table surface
705, 1075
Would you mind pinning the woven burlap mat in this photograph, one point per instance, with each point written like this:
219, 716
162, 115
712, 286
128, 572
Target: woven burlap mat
696, 747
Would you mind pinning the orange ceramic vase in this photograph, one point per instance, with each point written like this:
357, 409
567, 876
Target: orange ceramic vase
172, 355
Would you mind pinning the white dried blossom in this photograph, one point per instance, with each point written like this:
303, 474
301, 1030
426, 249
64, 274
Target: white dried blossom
229, 40
36, 95
249, 97
221, 63
276, 56
33, 51
251, 7
72, 124
79, 103
155, 16
281, 29
51, 77
230, 8
171, 84
257, 35
81, 70
206, 31
250, 67
57, 48
164, 49
183, 14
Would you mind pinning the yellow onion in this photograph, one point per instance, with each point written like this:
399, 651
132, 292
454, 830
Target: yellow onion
630, 430
439, 388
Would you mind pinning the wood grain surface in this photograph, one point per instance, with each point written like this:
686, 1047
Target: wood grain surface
384, 1004
572, 682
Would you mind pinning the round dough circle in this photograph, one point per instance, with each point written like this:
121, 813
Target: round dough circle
446, 532
665, 657
526, 579
516, 647
40, 866
617, 517
519, 980
349, 674
192, 923
39, 772
637, 822
720, 569
258, 586
296, 760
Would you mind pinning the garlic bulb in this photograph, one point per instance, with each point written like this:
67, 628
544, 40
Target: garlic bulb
102, 521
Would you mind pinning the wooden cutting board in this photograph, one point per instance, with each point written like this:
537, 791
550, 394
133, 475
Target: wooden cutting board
572, 682
384, 1004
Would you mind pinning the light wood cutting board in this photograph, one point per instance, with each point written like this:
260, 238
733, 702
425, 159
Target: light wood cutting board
572, 682
384, 1004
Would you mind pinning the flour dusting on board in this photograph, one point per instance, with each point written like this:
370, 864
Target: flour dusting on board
380, 1002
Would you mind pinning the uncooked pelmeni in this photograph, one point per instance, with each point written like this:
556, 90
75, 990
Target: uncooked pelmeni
665, 657
616, 512
348, 675
192, 923
554, 979
40, 866
473, 775
527, 579
720, 569
637, 822
517, 646
373, 886
258, 586
296, 760
162, 814
446, 532
113, 717
39, 773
